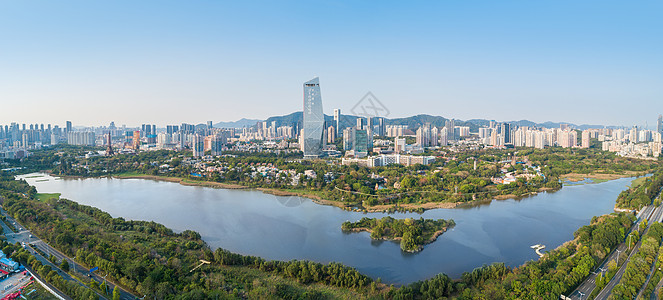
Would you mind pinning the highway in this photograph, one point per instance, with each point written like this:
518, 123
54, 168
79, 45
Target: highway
24, 236
655, 217
587, 287
658, 287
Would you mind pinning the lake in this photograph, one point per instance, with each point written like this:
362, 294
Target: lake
283, 228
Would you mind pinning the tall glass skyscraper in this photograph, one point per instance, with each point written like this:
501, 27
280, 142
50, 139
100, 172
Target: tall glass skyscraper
314, 120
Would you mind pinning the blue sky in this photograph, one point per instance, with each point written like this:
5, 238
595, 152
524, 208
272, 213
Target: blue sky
163, 62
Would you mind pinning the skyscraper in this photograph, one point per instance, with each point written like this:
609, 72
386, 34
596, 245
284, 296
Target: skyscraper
337, 118
68, 126
314, 120
450, 125
198, 146
506, 133
381, 127
360, 123
659, 126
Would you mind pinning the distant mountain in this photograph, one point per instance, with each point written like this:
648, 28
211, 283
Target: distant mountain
237, 124
295, 119
550, 124
414, 122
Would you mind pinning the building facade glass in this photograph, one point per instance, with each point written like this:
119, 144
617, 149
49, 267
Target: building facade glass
314, 119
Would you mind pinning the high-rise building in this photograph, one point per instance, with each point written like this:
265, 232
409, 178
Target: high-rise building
659, 127
427, 136
337, 119
450, 125
85, 138
444, 137
360, 123
313, 120
209, 124
585, 139
506, 133
395, 130
68, 126
170, 129
399, 145
187, 128
567, 138
633, 135
356, 140
331, 135
361, 144
381, 129
136, 140
198, 146
348, 138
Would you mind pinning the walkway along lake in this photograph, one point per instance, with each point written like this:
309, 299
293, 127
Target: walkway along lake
283, 228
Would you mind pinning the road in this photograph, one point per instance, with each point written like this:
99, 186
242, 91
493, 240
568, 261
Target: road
656, 217
654, 296
24, 236
588, 286
651, 271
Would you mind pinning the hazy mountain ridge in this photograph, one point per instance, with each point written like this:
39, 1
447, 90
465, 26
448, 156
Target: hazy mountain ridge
243, 122
413, 122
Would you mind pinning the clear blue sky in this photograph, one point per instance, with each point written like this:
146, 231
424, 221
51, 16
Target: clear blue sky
162, 62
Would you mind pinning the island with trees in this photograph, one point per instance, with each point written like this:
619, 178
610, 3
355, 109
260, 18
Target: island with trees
150, 259
412, 233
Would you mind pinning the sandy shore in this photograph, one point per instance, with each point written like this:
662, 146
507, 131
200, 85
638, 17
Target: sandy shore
575, 177
315, 198
426, 206
183, 181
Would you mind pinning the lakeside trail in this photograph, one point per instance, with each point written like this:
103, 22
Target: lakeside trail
574, 177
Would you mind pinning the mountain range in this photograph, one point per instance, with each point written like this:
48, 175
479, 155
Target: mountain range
244, 122
413, 122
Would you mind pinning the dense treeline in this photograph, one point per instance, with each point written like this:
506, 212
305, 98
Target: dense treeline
638, 268
656, 277
643, 194
150, 259
304, 271
413, 234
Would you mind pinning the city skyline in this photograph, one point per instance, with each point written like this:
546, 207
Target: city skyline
93, 63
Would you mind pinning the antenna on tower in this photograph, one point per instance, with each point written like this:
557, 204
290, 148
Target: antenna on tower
109, 150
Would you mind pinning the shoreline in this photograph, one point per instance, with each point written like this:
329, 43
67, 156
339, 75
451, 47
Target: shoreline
576, 177
432, 239
384, 208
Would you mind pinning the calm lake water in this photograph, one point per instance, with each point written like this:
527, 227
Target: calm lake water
284, 228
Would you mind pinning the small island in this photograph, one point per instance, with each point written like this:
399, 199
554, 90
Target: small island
412, 233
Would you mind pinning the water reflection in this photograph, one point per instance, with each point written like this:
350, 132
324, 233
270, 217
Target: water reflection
284, 228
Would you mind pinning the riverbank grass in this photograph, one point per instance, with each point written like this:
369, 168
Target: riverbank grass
637, 182
47, 196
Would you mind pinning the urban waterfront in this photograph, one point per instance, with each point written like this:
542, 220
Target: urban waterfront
284, 228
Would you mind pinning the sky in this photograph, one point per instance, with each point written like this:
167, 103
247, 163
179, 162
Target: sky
168, 62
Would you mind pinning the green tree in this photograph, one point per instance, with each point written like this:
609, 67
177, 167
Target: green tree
116, 293
64, 265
